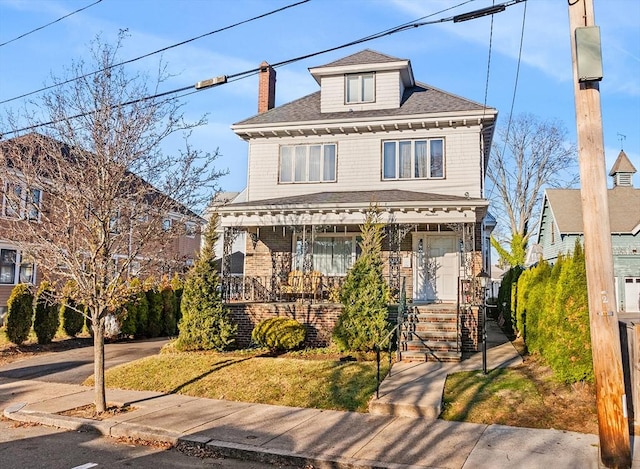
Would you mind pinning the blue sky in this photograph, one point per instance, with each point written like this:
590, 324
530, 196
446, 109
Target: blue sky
453, 57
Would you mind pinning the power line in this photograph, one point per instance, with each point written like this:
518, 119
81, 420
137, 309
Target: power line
49, 24
223, 79
155, 52
515, 88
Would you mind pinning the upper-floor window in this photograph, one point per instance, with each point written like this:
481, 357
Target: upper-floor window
18, 201
190, 229
360, 88
413, 159
308, 163
166, 224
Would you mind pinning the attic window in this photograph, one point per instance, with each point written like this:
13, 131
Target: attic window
360, 88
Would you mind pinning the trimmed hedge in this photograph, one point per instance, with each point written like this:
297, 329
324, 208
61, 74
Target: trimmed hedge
279, 334
553, 316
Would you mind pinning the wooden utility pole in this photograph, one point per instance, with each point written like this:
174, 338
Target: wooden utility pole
613, 427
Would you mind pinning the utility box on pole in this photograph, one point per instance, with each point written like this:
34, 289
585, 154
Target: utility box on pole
613, 425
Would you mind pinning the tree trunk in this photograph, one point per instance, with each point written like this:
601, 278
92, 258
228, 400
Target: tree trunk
100, 399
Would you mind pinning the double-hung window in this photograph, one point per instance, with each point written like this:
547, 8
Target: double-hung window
19, 201
308, 163
360, 88
413, 159
8, 259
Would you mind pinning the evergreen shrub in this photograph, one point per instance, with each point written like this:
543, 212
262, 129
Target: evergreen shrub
20, 313
71, 312
205, 323
364, 295
154, 318
279, 334
47, 314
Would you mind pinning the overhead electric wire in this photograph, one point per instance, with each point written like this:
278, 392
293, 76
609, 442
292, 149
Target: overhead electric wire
49, 24
253, 71
515, 88
156, 52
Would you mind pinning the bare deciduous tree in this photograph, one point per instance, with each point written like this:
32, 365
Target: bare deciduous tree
529, 156
87, 195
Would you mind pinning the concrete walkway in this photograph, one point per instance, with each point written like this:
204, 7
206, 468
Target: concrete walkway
323, 439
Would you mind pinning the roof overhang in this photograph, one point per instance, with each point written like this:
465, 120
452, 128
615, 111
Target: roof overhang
359, 125
419, 212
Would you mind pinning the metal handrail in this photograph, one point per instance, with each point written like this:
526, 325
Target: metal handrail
397, 331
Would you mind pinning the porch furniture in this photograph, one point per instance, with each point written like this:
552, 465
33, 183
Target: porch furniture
300, 285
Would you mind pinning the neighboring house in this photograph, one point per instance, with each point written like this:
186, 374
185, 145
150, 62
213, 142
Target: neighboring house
561, 225
236, 241
33, 205
371, 135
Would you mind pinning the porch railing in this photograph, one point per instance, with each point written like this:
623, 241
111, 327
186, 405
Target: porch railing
257, 289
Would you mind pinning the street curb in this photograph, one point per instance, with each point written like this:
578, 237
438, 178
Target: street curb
217, 447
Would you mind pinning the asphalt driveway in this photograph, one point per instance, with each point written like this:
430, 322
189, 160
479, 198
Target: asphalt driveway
75, 365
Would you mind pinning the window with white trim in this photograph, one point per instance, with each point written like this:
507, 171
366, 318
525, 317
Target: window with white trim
190, 229
8, 260
332, 254
13, 268
413, 159
166, 224
18, 202
307, 163
360, 88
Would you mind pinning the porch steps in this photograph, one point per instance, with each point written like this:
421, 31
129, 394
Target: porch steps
430, 333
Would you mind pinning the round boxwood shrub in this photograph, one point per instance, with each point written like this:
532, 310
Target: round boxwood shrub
47, 317
279, 334
20, 313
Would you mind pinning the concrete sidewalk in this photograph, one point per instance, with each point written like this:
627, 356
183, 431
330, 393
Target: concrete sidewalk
323, 439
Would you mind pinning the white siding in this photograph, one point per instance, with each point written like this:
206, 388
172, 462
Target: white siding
359, 164
388, 93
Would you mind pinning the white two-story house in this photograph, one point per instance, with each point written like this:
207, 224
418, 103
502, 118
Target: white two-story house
371, 135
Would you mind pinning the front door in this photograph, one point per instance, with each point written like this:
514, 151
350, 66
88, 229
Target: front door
435, 268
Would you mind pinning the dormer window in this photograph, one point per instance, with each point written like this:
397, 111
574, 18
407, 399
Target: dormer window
360, 88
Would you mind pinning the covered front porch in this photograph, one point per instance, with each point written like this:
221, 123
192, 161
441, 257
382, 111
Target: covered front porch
301, 248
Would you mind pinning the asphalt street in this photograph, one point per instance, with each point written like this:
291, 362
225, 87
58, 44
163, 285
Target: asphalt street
75, 365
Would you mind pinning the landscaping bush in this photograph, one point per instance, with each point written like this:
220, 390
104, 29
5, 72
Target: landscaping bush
507, 297
552, 308
205, 324
168, 311
177, 286
47, 314
279, 334
72, 318
71, 312
364, 295
19, 314
154, 318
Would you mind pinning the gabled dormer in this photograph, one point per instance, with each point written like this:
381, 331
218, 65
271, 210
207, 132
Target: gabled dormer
366, 80
622, 171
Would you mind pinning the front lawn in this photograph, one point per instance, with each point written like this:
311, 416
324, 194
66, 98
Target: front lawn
297, 380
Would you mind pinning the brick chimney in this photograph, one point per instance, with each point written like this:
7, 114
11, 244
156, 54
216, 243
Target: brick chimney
267, 88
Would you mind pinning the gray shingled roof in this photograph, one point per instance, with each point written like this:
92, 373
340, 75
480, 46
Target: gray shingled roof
420, 99
355, 197
624, 209
363, 57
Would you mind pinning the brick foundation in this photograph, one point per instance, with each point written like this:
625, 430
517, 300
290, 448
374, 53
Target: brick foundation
319, 319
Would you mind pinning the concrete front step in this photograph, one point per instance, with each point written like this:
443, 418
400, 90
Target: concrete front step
430, 356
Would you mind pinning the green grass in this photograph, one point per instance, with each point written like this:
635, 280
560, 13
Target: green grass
249, 377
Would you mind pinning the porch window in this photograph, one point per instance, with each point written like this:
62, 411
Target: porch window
307, 163
413, 159
331, 255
